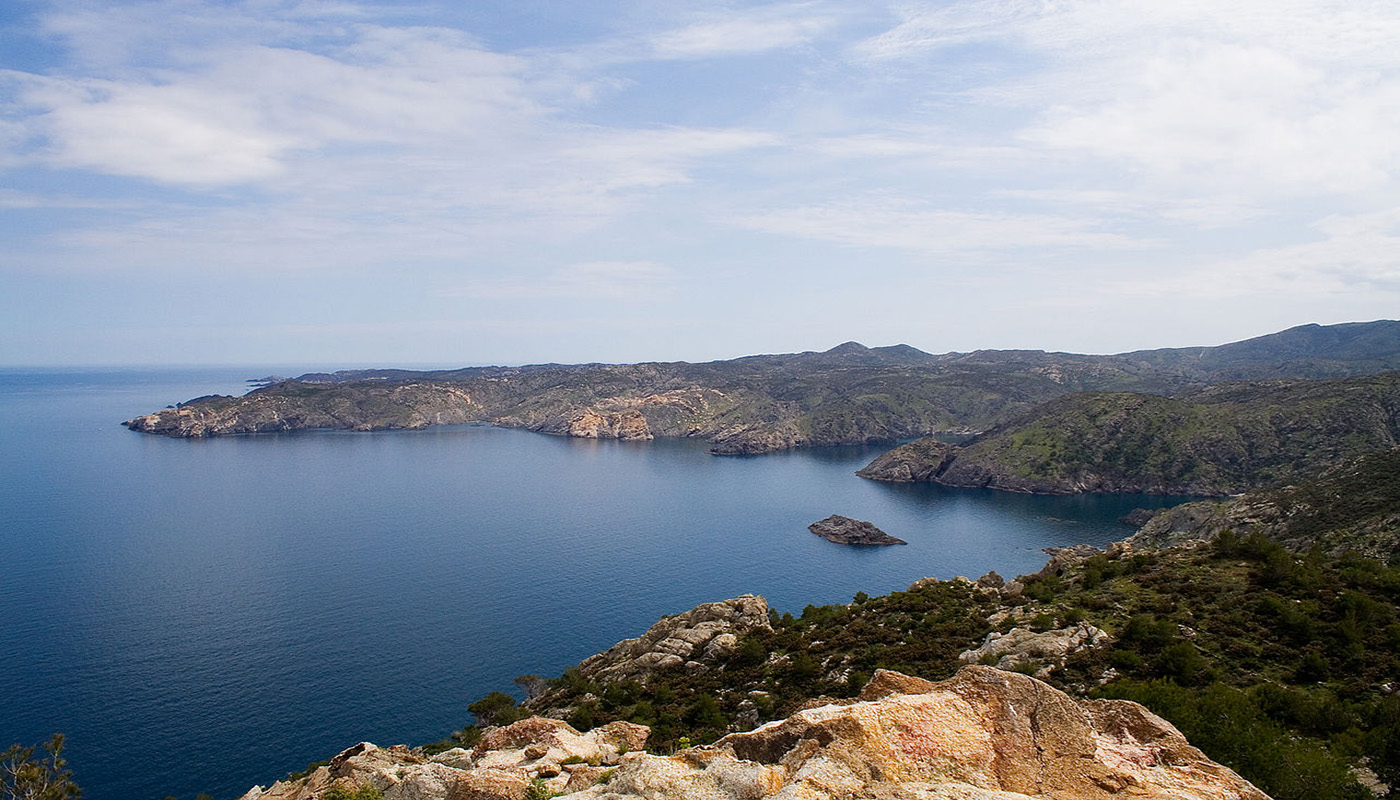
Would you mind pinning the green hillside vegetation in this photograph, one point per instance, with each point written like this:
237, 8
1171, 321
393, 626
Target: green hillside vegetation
1303, 515
1220, 440
1282, 667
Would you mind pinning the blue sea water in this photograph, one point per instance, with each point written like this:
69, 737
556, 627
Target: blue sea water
202, 616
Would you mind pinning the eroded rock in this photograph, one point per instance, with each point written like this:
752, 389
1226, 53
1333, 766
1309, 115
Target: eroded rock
673, 641
983, 734
1044, 651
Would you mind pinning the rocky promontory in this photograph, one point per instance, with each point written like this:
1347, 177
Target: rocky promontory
983, 734
844, 530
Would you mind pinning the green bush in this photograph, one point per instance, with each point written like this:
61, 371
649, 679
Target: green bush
365, 792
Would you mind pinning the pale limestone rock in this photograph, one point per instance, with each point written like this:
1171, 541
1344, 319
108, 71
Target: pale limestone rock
982, 735
456, 758
922, 583
986, 730
1023, 647
592, 423
673, 641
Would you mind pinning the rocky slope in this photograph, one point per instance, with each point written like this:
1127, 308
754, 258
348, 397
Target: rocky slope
1284, 668
1300, 516
1217, 441
850, 394
984, 734
694, 639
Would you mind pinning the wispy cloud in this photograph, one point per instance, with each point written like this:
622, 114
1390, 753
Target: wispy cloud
751, 31
1293, 96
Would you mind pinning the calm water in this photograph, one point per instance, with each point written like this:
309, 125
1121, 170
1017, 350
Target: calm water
207, 615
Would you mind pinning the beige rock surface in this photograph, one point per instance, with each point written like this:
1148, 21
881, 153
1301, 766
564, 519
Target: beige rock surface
1045, 651
673, 641
984, 734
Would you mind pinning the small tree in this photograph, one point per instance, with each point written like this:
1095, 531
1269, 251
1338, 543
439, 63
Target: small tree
24, 777
497, 708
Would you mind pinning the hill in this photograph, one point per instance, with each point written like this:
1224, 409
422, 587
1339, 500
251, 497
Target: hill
850, 394
1219, 440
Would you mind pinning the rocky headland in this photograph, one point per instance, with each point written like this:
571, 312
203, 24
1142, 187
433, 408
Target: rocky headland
1299, 516
850, 394
844, 530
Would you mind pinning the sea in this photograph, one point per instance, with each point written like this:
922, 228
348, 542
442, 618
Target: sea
207, 615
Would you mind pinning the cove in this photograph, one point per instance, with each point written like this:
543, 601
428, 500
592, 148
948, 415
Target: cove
207, 615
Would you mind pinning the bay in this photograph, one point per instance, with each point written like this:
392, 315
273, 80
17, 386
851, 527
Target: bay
201, 616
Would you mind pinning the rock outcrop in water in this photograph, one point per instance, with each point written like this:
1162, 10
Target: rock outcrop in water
844, 530
984, 734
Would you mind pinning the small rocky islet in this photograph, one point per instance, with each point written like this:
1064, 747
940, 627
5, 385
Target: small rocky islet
855, 532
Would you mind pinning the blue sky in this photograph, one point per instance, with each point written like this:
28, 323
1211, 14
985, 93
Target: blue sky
267, 181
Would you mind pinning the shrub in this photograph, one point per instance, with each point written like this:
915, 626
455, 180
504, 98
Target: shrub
497, 708
365, 792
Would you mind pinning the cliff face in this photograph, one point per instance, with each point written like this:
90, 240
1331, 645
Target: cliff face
982, 735
1222, 440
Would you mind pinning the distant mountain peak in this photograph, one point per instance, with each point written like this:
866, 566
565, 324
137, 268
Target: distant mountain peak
848, 347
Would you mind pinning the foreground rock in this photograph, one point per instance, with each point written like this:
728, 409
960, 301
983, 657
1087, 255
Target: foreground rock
844, 530
983, 734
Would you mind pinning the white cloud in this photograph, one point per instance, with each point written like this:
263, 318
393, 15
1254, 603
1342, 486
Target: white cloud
752, 31
1349, 255
1293, 96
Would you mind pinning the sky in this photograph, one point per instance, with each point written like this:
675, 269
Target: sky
334, 182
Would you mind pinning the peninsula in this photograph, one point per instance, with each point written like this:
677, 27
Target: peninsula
850, 394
